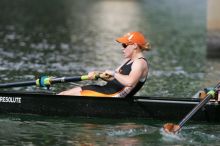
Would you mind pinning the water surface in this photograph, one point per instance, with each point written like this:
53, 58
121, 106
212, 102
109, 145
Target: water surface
69, 38
38, 130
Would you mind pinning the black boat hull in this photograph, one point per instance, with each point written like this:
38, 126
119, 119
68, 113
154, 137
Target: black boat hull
138, 107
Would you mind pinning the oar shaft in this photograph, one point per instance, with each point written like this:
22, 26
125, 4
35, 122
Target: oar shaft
18, 84
66, 79
194, 110
46, 81
199, 106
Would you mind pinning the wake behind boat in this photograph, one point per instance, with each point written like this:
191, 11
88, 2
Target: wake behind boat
156, 108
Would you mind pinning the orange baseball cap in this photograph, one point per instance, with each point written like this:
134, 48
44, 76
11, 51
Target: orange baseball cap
134, 37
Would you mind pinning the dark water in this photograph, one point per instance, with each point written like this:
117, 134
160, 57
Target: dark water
37, 131
68, 38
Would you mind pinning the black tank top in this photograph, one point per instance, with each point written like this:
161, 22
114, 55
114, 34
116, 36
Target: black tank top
125, 70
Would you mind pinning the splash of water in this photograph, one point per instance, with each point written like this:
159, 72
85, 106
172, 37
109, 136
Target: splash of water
171, 137
130, 130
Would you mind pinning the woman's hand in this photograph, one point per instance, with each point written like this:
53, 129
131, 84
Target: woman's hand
107, 75
93, 75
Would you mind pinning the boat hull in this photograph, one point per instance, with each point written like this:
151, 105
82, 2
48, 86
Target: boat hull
167, 109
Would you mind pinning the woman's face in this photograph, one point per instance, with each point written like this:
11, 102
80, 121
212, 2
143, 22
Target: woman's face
127, 50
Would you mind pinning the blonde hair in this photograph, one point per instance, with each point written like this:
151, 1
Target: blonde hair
145, 47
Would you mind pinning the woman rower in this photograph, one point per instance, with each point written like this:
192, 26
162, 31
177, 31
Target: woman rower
128, 78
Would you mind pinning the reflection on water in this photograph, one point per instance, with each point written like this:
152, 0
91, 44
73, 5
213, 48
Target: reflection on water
39, 130
67, 38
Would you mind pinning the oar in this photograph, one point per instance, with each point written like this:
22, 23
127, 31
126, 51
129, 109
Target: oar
46, 81
173, 128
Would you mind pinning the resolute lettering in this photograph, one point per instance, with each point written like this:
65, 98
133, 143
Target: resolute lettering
10, 99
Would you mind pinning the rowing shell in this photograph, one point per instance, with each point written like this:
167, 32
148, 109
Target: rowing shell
134, 107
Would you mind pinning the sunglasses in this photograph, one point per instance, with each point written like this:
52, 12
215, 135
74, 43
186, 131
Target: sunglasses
124, 45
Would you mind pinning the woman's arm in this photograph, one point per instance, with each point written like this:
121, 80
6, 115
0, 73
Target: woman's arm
138, 69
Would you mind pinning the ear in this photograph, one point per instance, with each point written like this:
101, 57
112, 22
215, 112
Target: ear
135, 45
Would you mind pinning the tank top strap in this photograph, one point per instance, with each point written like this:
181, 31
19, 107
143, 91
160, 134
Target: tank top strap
144, 78
145, 60
127, 62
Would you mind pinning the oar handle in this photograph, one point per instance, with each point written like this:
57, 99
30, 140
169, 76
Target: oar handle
70, 79
211, 94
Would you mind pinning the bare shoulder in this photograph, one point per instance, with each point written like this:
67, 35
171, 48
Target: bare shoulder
140, 66
141, 63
